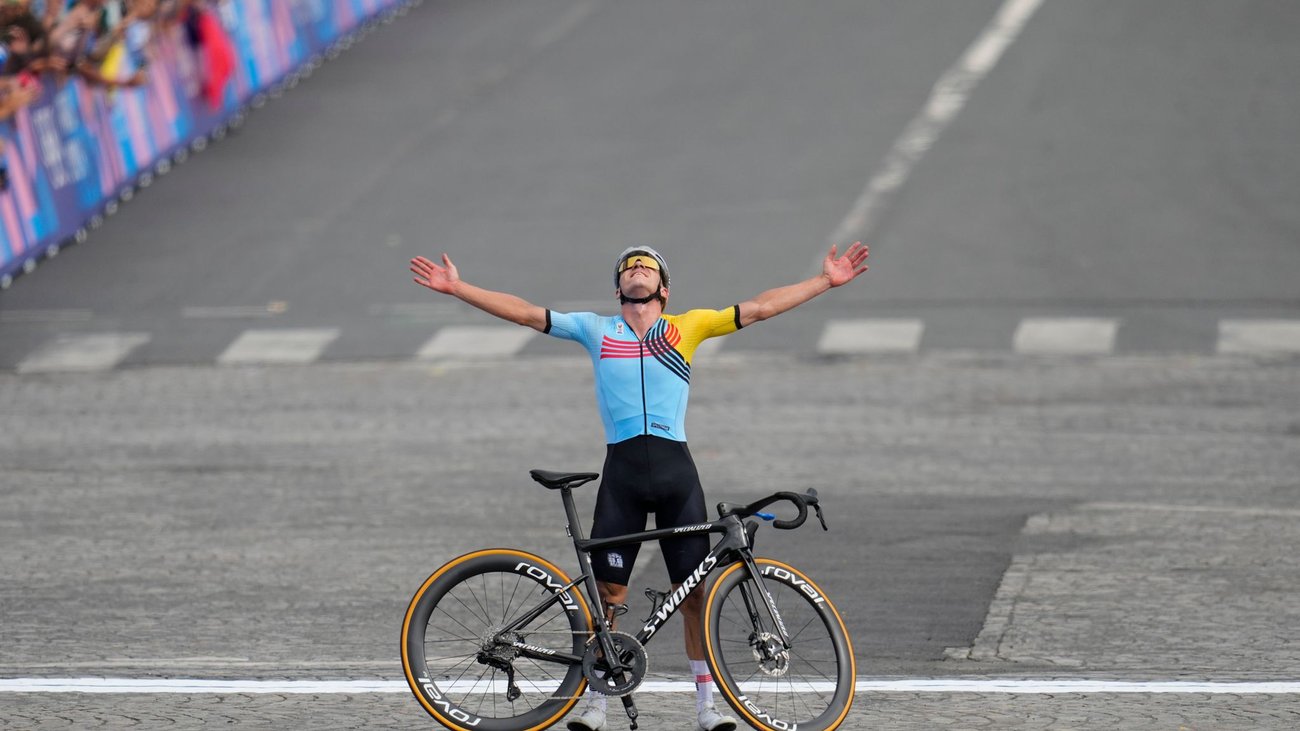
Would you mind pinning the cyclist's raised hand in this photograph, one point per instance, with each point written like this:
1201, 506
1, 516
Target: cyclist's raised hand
842, 270
438, 278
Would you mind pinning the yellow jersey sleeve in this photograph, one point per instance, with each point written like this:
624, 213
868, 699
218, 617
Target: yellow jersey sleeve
696, 326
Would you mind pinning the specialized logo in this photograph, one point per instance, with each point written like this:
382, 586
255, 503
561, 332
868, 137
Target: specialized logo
545, 577
442, 703
532, 648
675, 599
692, 528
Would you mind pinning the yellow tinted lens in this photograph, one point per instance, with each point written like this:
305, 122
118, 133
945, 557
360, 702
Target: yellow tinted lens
646, 261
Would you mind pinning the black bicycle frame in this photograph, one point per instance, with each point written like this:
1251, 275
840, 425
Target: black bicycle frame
736, 538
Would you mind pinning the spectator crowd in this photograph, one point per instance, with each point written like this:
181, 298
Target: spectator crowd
104, 42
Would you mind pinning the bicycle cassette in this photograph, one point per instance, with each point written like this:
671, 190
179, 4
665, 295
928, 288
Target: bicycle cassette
632, 657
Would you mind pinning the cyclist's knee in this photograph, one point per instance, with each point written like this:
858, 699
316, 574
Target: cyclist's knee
612, 595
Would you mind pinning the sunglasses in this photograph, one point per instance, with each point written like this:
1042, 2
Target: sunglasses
638, 260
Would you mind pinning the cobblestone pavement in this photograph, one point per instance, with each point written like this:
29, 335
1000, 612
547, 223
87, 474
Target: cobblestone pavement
884, 711
265, 523
1194, 589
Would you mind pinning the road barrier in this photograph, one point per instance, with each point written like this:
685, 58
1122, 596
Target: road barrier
81, 150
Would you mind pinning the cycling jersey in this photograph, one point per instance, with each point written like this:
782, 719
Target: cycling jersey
642, 384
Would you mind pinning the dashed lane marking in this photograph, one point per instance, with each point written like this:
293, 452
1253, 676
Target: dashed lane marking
466, 342
194, 686
848, 337
1259, 336
80, 353
285, 346
1066, 336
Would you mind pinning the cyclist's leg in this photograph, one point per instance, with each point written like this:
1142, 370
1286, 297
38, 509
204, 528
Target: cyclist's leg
620, 510
681, 502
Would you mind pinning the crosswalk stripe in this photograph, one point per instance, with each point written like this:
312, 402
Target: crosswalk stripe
847, 337
1259, 336
461, 342
1066, 335
89, 352
288, 345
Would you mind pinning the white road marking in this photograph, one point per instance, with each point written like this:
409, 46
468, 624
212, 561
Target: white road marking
90, 352
258, 347
466, 342
846, 337
1066, 335
427, 311
40, 316
234, 312
569, 20
194, 686
1259, 336
947, 98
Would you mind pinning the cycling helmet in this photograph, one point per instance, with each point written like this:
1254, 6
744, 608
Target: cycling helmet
632, 250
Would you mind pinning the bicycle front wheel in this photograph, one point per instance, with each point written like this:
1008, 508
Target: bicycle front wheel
809, 686
460, 663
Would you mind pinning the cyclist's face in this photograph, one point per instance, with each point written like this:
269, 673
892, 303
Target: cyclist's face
639, 280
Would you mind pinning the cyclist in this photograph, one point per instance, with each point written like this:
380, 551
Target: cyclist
642, 360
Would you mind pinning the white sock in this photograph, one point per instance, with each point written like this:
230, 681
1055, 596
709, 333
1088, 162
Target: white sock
596, 699
703, 685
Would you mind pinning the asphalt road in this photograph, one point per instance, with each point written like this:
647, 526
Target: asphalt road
1133, 161
1126, 516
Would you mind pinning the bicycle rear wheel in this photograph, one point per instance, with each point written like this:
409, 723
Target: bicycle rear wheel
454, 653
811, 685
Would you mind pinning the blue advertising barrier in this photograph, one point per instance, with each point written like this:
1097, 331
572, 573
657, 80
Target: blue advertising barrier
80, 149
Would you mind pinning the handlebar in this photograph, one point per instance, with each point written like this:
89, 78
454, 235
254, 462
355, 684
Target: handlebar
800, 500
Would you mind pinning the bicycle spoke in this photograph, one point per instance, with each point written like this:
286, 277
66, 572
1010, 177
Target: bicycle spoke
457, 621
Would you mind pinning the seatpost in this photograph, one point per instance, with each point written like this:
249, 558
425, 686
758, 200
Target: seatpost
571, 513
584, 560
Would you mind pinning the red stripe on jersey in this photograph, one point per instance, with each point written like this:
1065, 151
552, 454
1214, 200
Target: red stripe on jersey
611, 348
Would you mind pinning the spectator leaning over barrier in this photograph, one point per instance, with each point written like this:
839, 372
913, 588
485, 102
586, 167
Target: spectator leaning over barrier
86, 27
16, 92
125, 41
26, 38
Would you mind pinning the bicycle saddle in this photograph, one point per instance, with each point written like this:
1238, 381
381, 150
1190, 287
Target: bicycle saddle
558, 480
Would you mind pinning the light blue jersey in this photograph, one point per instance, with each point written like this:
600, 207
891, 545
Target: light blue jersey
642, 385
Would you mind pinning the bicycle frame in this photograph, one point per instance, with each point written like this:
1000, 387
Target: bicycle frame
736, 537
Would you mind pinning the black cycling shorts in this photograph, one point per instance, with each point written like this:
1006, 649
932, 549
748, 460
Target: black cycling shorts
645, 475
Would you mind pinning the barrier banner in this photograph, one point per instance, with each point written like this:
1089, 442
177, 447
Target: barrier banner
80, 148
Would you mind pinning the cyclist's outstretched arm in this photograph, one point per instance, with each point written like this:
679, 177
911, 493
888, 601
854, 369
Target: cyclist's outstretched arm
446, 279
836, 271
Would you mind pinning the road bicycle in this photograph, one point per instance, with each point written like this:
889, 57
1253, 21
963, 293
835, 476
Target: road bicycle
503, 640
